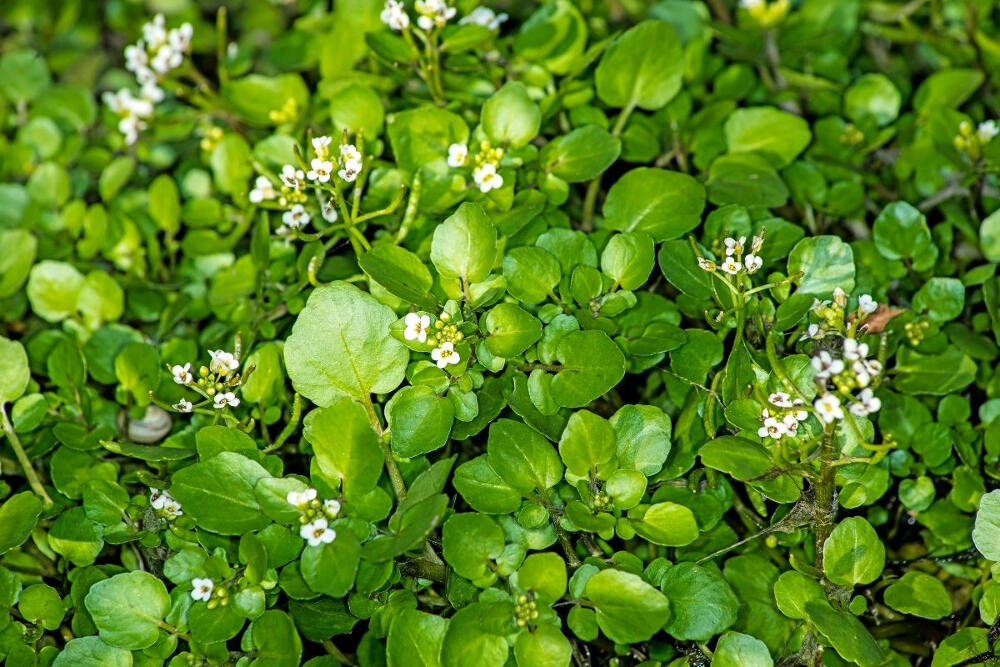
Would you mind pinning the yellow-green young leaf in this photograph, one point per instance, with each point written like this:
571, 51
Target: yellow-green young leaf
92, 652
664, 204
628, 608
346, 449
219, 493
465, 245
587, 442
542, 646
18, 516
919, 594
777, 135
165, 203
14, 372
20, 247
510, 118
522, 457
736, 649
415, 639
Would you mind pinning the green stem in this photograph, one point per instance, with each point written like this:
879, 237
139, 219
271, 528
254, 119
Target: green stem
825, 488
290, 427
779, 370
22, 458
398, 485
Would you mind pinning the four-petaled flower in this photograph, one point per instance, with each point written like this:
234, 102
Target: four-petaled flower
866, 404
445, 354
828, 408
297, 217
183, 406
223, 362
458, 155
320, 170
731, 265
329, 210
853, 350
292, 177
317, 532
394, 15
331, 506
772, 428
165, 503
201, 589
753, 263
182, 374
826, 366
321, 145
301, 499
487, 178
416, 327
987, 130
485, 17
867, 304
263, 190
222, 399
734, 246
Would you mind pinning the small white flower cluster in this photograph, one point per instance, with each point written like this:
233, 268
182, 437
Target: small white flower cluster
214, 382
487, 161
162, 501
854, 370
155, 55
987, 130
736, 261
443, 336
201, 589
321, 166
832, 312
432, 14
485, 17
972, 139
786, 420
315, 517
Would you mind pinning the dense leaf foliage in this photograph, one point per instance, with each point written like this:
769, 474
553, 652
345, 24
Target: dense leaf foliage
425, 334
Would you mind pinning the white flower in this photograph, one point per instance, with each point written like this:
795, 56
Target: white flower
155, 32
166, 59
172, 508
320, 170
202, 589
853, 350
861, 374
329, 210
866, 404
731, 266
350, 153
151, 92
180, 38
780, 399
458, 155
433, 13
485, 17
791, 424
182, 374
297, 217
224, 398
772, 428
292, 177
322, 146
394, 15
706, 264
828, 407
799, 415
987, 130
165, 503
136, 57
867, 304
331, 507
317, 532
416, 327
183, 406
263, 190
487, 178
813, 331
445, 354
825, 365
350, 170
131, 126
757, 242
839, 297
302, 499
753, 263
750, 4
223, 362
734, 247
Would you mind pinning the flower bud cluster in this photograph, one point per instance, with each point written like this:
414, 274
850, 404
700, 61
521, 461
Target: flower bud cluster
525, 611
971, 140
737, 259
216, 382
315, 516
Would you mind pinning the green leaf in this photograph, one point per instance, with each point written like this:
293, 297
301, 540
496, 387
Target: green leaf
522, 457
844, 632
825, 262
469, 542
777, 135
934, 374
642, 68
219, 493
629, 610
14, 371
544, 575
642, 434
165, 203
128, 609
330, 568
942, 299
477, 636
583, 154
465, 245
701, 600
346, 449
590, 365
92, 652
587, 442
543, 646
484, 489
664, 204
399, 271
53, 288
735, 649
901, 231
948, 88
24, 74
415, 639
18, 516
509, 117
340, 346
21, 248
419, 421
853, 554
628, 259
668, 524
872, 97
747, 179
276, 640
919, 594
510, 330
986, 533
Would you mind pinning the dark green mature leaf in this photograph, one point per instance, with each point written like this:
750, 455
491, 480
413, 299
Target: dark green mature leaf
219, 493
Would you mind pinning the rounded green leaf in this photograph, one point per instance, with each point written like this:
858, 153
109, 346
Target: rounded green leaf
919, 594
510, 117
590, 364
465, 245
219, 493
128, 609
702, 602
419, 421
642, 68
853, 554
777, 135
664, 204
14, 371
92, 652
628, 609
825, 263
